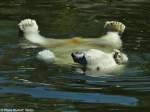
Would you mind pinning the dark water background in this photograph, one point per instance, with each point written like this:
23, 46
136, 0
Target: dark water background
26, 83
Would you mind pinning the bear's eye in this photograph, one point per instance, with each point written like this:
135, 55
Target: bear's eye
98, 68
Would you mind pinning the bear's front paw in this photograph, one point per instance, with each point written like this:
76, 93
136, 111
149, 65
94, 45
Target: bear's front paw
28, 26
46, 55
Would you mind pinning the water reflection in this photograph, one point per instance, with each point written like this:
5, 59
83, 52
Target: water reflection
80, 97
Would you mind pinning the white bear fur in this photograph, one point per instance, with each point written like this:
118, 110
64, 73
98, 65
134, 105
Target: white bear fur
98, 60
31, 33
46, 55
64, 47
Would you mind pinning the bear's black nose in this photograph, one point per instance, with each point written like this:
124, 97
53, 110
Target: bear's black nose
79, 57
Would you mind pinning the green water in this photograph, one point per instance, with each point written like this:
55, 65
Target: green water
26, 83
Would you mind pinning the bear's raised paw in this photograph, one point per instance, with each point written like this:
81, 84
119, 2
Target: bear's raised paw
28, 26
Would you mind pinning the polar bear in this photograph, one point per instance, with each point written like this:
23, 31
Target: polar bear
92, 60
62, 48
97, 60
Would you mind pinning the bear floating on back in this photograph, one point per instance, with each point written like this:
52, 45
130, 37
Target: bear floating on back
62, 48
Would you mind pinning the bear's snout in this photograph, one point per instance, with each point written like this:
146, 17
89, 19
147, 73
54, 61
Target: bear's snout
79, 57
